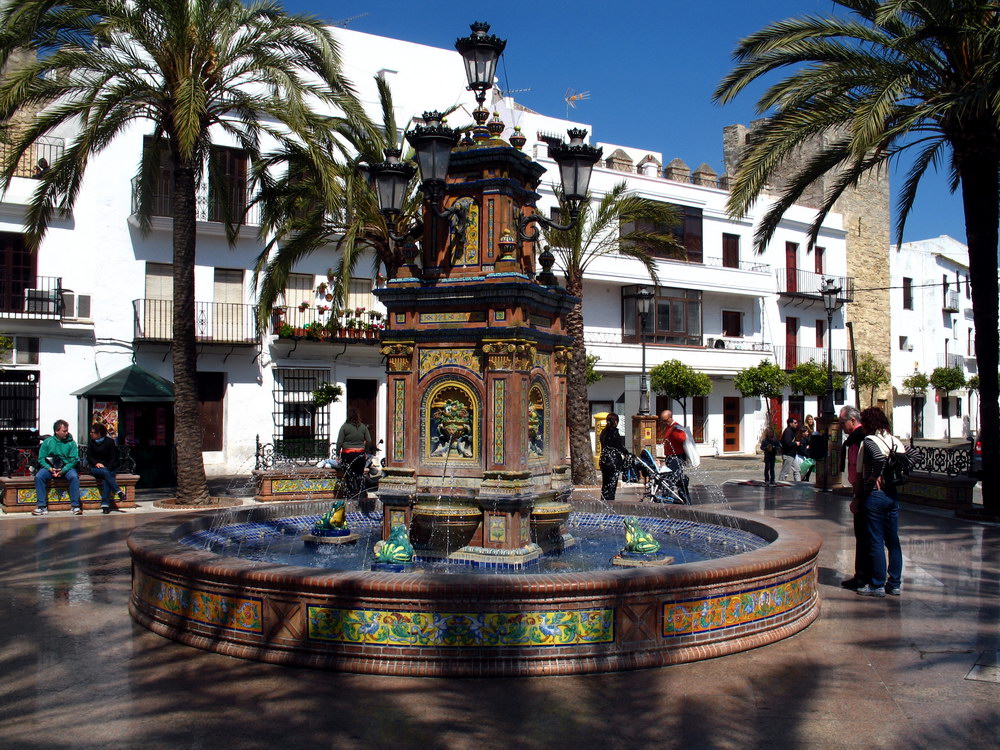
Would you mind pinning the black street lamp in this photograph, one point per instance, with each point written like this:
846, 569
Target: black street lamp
831, 302
480, 53
644, 304
576, 161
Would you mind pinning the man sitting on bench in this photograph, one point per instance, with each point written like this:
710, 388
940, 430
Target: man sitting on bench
58, 457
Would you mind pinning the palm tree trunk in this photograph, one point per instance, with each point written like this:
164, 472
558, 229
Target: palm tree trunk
192, 487
978, 167
581, 454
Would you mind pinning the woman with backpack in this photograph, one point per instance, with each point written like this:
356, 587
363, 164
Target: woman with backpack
880, 505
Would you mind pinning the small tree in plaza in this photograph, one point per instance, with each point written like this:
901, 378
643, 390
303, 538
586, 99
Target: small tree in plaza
916, 384
871, 373
765, 380
679, 381
810, 379
946, 380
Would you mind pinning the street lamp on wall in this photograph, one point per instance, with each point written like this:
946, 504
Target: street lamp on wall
644, 303
830, 290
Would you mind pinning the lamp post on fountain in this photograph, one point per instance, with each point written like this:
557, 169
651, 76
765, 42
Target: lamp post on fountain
830, 291
643, 423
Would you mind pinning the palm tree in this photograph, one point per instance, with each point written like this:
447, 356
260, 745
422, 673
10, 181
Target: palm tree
185, 67
321, 201
600, 232
897, 76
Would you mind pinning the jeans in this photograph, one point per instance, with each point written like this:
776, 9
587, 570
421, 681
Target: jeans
42, 478
882, 518
679, 478
106, 481
769, 461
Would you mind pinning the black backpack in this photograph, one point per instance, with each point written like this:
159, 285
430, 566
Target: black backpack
897, 467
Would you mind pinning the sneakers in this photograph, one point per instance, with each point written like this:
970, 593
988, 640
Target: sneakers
40, 512
852, 584
121, 495
77, 511
894, 590
876, 591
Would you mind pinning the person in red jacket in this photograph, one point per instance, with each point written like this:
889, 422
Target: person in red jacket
674, 454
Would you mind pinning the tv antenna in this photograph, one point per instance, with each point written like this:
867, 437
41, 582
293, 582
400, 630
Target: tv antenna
572, 97
343, 24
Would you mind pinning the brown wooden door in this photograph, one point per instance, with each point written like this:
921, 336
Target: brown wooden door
731, 413
777, 418
791, 343
791, 267
363, 396
211, 393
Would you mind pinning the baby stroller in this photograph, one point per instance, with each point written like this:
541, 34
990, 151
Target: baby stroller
662, 483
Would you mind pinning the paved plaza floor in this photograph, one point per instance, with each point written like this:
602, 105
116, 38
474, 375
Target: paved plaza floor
891, 673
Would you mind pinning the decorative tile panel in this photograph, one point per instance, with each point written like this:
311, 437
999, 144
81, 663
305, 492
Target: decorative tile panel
433, 358
398, 418
703, 615
499, 419
235, 613
461, 629
464, 316
300, 486
27, 495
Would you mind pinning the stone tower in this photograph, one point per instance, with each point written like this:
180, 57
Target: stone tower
865, 210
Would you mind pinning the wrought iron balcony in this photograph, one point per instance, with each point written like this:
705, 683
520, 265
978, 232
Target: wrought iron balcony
741, 265
37, 159
35, 298
208, 203
790, 357
794, 282
319, 324
950, 303
951, 360
215, 322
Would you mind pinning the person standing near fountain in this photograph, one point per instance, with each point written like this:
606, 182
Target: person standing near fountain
769, 445
612, 454
675, 453
790, 450
352, 442
850, 420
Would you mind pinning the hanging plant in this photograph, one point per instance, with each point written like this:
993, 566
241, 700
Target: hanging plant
327, 393
321, 289
303, 306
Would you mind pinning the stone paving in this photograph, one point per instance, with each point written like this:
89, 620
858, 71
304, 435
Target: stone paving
890, 673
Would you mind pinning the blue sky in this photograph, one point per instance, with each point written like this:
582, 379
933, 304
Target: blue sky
650, 68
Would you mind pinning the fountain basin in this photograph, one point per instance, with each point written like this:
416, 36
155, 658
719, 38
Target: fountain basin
428, 624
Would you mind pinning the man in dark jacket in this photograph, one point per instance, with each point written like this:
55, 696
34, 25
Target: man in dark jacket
790, 449
850, 420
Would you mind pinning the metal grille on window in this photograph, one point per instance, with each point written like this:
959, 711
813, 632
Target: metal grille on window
301, 429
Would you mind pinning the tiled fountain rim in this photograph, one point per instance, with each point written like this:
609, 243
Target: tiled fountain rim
791, 544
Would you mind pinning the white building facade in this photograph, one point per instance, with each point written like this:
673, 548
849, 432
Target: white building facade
96, 297
932, 327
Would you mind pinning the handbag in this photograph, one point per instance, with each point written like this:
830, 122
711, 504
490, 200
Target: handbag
806, 465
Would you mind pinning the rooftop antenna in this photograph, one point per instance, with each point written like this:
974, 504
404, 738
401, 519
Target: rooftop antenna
343, 24
508, 92
572, 97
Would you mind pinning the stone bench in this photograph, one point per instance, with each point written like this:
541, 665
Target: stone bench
305, 483
17, 494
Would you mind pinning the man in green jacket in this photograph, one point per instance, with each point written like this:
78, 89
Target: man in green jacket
58, 457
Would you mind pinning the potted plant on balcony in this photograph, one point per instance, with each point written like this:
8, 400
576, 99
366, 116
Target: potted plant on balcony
285, 331
315, 330
303, 306
321, 289
333, 328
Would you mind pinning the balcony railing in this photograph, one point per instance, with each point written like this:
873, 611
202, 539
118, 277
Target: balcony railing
795, 281
736, 344
208, 205
37, 159
742, 265
951, 360
790, 357
33, 298
215, 322
327, 325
